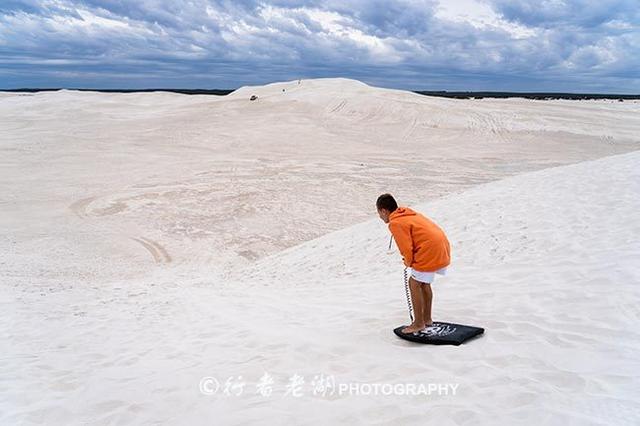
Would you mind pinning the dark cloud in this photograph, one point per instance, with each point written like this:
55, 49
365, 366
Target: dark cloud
580, 13
574, 45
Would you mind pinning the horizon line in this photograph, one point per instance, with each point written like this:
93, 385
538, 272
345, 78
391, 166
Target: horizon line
458, 94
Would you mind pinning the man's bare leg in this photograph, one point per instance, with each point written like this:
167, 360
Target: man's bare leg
427, 297
418, 307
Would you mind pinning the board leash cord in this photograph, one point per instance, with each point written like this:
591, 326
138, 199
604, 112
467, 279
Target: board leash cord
408, 293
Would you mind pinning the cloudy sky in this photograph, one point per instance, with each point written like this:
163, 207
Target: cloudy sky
520, 45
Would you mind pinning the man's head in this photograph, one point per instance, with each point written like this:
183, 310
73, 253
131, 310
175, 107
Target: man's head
386, 205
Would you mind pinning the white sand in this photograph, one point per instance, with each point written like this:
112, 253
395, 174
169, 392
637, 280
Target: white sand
135, 229
98, 187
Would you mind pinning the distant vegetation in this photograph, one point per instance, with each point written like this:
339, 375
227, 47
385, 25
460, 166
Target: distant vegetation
532, 95
441, 93
220, 92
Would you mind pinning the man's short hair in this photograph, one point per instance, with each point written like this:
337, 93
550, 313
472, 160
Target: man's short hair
387, 202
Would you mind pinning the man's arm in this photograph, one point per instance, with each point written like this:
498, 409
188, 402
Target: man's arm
402, 235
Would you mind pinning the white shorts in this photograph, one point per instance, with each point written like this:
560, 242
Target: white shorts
427, 277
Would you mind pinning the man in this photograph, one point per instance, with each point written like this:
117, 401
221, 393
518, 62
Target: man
424, 248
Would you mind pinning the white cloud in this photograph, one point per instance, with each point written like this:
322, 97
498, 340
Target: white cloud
399, 41
481, 16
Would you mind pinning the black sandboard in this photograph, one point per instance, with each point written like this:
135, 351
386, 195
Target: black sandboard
441, 333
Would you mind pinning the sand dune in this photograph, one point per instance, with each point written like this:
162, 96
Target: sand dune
545, 261
217, 182
150, 240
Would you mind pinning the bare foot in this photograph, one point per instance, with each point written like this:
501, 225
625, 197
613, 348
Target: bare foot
413, 328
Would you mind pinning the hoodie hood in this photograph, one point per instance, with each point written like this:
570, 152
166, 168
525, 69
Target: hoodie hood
401, 212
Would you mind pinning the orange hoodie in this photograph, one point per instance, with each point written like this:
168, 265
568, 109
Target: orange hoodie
422, 243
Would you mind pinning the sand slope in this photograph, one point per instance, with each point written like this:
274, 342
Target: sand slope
98, 187
546, 261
